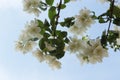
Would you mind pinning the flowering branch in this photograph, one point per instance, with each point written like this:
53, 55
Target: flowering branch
52, 43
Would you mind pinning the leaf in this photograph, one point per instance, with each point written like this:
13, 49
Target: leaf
104, 39
116, 11
40, 23
42, 44
66, 1
63, 6
52, 13
63, 34
116, 21
46, 35
59, 52
46, 23
66, 40
49, 2
43, 6
67, 22
101, 20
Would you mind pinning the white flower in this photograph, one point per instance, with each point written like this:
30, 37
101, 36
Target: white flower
76, 45
39, 55
118, 41
77, 30
93, 53
32, 29
83, 22
49, 47
84, 18
24, 47
32, 6
53, 62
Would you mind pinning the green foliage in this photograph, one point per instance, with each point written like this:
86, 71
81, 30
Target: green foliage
42, 44
63, 6
43, 6
59, 38
49, 2
52, 13
60, 45
67, 22
66, 1
110, 38
116, 12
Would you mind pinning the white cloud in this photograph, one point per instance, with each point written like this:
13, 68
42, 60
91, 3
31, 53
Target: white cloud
7, 4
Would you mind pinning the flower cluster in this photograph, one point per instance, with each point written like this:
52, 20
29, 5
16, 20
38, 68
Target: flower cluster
83, 22
51, 60
53, 42
89, 51
32, 6
26, 39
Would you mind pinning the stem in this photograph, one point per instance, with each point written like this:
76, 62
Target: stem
57, 16
111, 12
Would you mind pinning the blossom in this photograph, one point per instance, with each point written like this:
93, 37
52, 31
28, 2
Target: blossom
32, 29
93, 53
76, 45
53, 62
49, 47
118, 41
83, 22
24, 47
39, 55
32, 6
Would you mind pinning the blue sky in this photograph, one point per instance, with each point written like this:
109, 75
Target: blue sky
16, 66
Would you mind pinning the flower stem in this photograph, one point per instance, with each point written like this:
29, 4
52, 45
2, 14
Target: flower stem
57, 16
111, 13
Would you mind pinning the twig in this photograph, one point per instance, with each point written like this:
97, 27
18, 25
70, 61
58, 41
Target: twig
111, 13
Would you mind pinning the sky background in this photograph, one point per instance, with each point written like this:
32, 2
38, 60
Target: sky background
16, 66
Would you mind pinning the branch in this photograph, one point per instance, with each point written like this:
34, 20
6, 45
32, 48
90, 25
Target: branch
58, 14
111, 13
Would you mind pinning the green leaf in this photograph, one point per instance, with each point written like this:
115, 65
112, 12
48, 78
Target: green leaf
46, 35
116, 11
66, 40
43, 6
67, 22
59, 52
40, 23
63, 34
42, 44
101, 20
52, 13
116, 21
104, 39
66, 1
49, 2
46, 23
63, 6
